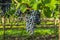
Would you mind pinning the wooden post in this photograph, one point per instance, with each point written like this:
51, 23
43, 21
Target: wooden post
59, 18
59, 29
3, 22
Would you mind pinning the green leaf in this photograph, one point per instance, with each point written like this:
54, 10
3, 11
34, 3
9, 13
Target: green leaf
23, 8
34, 6
47, 12
18, 5
52, 4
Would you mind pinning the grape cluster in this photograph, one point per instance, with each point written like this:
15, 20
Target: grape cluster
31, 20
37, 17
5, 5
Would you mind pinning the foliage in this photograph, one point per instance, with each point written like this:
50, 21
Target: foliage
46, 5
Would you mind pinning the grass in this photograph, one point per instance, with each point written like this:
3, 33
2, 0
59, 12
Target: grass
22, 32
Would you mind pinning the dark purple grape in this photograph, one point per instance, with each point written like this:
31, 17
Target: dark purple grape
5, 5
